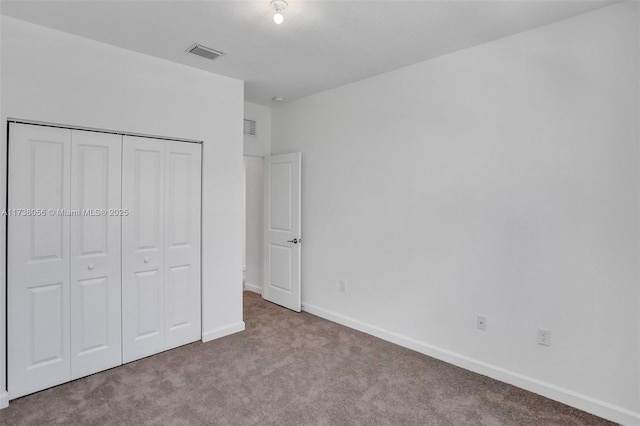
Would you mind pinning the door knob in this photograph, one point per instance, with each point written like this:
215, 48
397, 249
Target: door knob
146, 260
90, 267
295, 241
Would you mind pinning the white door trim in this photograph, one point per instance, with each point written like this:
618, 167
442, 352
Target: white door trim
99, 130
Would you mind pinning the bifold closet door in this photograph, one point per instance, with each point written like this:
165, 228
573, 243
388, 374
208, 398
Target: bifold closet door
182, 243
143, 327
161, 245
103, 252
38, 258
64, 256
96, 342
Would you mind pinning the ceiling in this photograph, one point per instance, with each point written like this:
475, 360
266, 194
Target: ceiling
321, 45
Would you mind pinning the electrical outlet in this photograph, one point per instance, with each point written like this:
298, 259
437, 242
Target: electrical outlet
544, 337
481, 322
343, 285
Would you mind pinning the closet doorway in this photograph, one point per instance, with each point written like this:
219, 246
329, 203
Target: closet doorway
103, 259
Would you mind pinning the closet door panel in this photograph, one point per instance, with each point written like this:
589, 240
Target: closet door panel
38, 258
143, 304
182, 243
95, 252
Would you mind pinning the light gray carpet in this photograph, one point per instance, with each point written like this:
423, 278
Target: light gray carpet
290, 369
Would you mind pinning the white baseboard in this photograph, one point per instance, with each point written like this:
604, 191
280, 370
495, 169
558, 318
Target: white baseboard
565, 396
207, 336
252, 287
4, 399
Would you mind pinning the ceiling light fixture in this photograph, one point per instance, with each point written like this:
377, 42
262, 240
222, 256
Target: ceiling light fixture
278, 99
279, 6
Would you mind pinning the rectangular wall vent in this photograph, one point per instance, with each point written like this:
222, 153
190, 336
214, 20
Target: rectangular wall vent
249, 127
205, 52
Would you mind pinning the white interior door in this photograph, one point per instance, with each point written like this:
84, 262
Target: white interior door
182, 243
282, 230
95, 252
38, 258
143, 304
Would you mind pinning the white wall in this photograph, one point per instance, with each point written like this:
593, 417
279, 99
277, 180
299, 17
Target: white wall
500, 180
255, 147
260, 144
253, 278
60, 78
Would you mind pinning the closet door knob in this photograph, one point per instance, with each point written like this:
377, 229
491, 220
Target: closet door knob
90, 267
146, 260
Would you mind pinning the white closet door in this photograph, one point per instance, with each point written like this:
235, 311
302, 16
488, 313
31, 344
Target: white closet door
95, 252
38, 259
142, 248
182, 243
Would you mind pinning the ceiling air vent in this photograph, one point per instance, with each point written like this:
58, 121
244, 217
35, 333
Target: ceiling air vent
205, 52
249, 127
